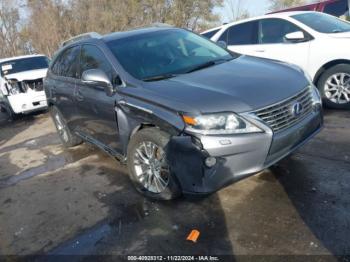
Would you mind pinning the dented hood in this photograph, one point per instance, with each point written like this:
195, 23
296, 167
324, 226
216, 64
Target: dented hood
28, 75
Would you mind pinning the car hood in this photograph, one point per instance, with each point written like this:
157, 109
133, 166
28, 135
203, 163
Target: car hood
241, 85
28, 75
340, 35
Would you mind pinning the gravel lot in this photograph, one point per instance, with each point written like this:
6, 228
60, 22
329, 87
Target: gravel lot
80, 201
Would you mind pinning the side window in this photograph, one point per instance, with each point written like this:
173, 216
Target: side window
67, 64
272, 31
210, 34
93, 58
243, 34
223, 37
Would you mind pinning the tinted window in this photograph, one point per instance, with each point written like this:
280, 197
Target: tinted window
165, 52
338, 8
323, 23
210, 34
67, 64
272, 31
93, 58
224, 36
243, 34
24, 64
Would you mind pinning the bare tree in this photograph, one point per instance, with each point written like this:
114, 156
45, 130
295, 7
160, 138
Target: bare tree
10, 38
236, 9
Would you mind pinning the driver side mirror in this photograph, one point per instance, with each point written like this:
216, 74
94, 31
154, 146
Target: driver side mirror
222, 44
298, 36
98, 77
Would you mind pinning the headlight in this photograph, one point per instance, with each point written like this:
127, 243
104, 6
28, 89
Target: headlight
217, 124
316, 97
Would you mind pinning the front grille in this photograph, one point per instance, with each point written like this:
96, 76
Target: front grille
282, 115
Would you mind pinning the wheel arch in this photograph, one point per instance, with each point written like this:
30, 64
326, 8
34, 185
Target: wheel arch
327, 66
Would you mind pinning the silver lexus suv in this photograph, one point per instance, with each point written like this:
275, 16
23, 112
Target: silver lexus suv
185, 115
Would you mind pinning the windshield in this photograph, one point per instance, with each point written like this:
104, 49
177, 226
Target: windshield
24, 64
323, 23
166, 52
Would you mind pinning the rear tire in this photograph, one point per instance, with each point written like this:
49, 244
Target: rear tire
334, 86
68, 139
147, 165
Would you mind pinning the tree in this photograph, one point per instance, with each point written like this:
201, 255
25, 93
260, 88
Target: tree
277, 5
52, 21
10, 38
236, 10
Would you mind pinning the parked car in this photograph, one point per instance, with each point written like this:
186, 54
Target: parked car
338, 8
21, 84
186, 115
317, 42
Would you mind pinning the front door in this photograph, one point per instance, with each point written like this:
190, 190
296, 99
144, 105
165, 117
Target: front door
266, 38
97, 116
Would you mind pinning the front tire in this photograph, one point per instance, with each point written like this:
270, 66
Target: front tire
68, 139
11, 116
334, 86
147, 165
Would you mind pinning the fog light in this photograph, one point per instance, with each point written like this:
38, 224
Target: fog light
210, 161
24, 106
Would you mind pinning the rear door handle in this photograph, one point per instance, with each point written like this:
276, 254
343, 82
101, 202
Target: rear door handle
260, 51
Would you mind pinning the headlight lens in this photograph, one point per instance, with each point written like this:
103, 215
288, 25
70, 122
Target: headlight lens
216, 124
316, 97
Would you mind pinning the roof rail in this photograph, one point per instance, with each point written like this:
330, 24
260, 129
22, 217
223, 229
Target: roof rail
157, 24
81, 37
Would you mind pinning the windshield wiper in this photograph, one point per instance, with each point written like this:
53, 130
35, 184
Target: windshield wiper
207, 64
158, 77
335, 31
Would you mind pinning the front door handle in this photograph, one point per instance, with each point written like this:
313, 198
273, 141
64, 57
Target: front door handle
260, 51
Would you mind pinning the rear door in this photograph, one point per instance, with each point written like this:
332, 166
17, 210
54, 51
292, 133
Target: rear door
97, 116
61, 83
242, 38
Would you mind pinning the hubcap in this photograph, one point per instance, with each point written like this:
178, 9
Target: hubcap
337, 88
61, 127
151, 168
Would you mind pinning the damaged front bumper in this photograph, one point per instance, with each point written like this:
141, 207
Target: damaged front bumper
237, 156
28, 102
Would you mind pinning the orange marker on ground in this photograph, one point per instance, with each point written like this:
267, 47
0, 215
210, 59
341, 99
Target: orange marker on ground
193, 236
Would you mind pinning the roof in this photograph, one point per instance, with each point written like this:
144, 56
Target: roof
18, 57
133, 32
318, 6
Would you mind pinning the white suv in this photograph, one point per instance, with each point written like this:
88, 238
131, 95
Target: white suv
21, 84
317, 42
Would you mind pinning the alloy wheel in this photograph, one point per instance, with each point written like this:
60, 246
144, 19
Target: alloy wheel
337, 88
61, 127
151, 168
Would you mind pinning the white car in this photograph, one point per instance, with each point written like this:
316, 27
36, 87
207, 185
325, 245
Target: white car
317, 42
21, 84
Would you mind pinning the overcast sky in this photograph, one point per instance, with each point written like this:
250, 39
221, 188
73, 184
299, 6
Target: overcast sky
255, 7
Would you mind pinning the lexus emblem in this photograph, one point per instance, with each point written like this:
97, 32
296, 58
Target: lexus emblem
297, 109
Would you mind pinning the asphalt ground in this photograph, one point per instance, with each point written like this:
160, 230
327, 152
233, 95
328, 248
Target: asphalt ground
80, 201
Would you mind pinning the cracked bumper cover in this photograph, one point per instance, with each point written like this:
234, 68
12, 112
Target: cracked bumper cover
238, 156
